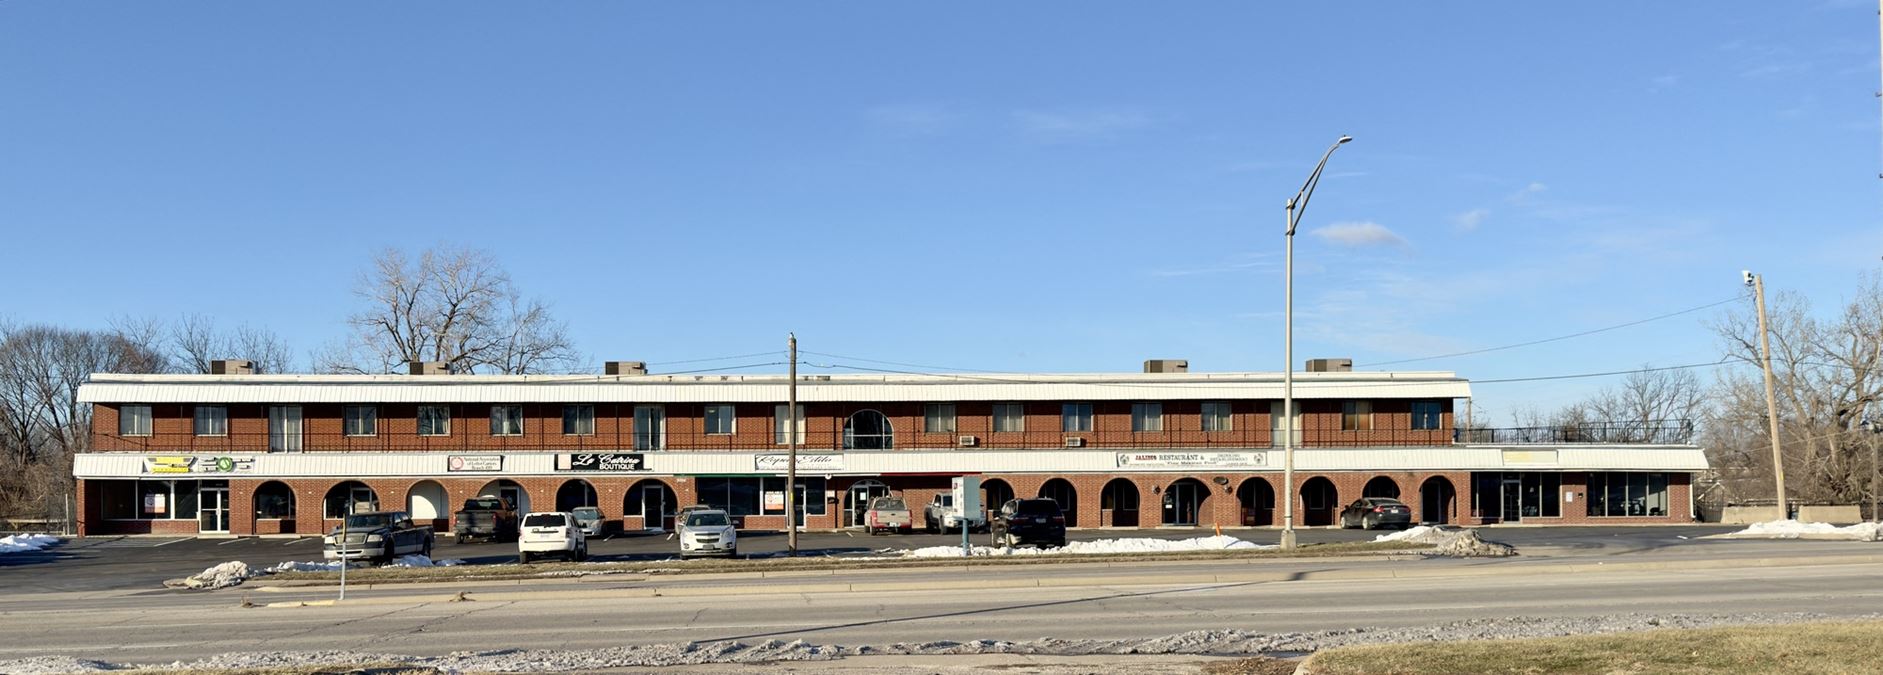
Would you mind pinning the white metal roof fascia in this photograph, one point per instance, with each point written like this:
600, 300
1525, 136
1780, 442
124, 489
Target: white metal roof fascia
739, 392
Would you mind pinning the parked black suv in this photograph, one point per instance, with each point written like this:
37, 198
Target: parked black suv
1029, 521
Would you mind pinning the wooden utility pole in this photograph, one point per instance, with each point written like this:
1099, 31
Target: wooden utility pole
791, 461
1771, 401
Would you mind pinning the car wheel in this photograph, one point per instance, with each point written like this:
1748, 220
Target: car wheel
1369, 524
427, 552
523, 558
732, 552
581, 554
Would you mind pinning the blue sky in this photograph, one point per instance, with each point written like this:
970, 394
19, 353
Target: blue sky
1028, 187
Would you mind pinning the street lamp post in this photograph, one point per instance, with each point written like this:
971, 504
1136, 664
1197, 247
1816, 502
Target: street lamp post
1292, 213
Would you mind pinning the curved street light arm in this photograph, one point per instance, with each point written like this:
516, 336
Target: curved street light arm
1299, 204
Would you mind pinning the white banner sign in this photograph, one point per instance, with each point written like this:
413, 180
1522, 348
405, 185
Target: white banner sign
474, 463
1192, 460
812, 463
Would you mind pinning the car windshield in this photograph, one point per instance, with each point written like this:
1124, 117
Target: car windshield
1387, 502
945, 500
368, 521
588, 512
483, 504
889, 504
543, 520
1038, 507
706, 520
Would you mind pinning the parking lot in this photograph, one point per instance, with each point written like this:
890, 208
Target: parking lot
118, 563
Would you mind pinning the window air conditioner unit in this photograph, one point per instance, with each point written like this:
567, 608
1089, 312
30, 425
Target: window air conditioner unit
1075, 442
965, 441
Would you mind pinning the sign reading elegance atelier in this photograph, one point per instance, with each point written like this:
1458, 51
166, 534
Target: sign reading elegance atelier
806, 462
602, 461
1192, 460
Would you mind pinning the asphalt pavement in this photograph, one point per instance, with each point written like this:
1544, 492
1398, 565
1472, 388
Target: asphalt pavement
144, 562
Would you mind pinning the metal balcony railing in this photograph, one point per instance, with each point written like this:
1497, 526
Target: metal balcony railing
1645, 432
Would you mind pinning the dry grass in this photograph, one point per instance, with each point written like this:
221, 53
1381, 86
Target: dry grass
553, 569
1753, 650
369, 669
1259, 665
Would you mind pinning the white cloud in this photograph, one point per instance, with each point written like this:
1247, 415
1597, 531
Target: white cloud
1656, 84
1470, 220
1081, 124
1362, 233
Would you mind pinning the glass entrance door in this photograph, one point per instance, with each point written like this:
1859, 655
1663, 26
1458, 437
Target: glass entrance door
1513, 498
656, 511
212, 509
797, 505
857, 507
1181, 502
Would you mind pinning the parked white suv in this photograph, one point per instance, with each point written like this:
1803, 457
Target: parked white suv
707, 532
550, 533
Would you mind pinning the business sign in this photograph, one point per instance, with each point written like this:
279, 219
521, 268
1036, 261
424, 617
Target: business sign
474, 463
1191, 460
602, 461
813, 463
188, 464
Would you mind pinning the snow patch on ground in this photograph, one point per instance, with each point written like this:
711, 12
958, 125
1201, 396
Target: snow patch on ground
231, 573
416, 560
292, 566
1095, 547
1455, 542
1792, 529
1225, 642
1422, 534
25, 543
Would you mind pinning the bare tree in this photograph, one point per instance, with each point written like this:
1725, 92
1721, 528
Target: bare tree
195, 340
452, 305
42, 424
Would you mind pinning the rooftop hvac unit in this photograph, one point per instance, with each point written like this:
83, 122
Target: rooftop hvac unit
1330, 365
624, 368
1167, 365
965, 441
428, 367
1075, 442
231, 367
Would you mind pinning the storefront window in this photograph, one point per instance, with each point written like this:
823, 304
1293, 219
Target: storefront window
166, 500
1616, 494
758, 495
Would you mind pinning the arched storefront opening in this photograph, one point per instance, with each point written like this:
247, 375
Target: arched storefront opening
868, 430
349, 497
1118, 504
1381, 487
1258, 502
1437, 497
574, 494
427, 501
856, 502
1060, 490
1320, 502
510, 491
1183, 502
274, 500
994, 493
653, 502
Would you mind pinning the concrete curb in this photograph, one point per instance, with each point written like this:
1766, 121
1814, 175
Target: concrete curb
1121, 580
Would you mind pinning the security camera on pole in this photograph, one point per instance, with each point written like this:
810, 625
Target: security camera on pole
1296, 207
1757, 282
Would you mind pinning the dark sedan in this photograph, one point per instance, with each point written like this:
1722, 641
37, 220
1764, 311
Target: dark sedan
1372, 513
1039, 522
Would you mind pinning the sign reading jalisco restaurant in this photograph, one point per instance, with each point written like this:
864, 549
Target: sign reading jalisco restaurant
1192, 460
602, 461
806, 462
176, 464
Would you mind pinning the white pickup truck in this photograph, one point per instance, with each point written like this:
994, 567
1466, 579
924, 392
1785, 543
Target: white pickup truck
942, 515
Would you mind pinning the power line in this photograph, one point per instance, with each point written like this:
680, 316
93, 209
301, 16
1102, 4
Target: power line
716, 358
895, 363
1559, 338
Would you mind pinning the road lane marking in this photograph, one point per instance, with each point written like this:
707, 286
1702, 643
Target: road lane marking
167, 543
231, 541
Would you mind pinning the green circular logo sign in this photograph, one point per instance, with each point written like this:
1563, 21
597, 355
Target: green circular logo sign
225, 464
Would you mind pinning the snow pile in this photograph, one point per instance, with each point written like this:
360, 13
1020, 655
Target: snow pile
24, 543
1423, 534
333, 566
1792, 529
227, 574
423, 561
1467, 544
1096, 547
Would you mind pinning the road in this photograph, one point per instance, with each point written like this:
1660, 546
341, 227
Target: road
1716, 576
110, 563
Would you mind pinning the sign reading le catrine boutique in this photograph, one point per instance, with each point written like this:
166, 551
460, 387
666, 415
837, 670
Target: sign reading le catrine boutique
603, 461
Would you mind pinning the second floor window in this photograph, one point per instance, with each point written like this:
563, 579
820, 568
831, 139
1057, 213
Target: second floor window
780, 434
506, 420
1147, 417
578, 420
1425, 415
938, 418
212, 420
359, 420
720, 420
1009, 417
1356, 415
650, 427
1216, 416
134, 420
434, 420
1075, 417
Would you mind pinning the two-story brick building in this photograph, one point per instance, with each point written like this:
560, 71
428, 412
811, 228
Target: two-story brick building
266, 454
